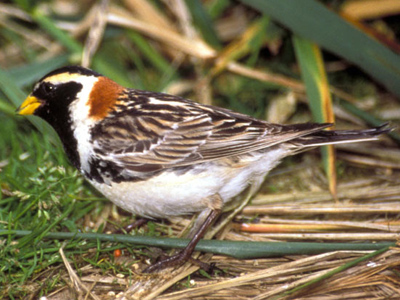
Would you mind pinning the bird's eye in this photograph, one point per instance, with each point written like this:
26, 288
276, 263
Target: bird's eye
47, 88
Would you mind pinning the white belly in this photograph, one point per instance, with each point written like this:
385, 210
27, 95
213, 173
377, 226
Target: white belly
171, 193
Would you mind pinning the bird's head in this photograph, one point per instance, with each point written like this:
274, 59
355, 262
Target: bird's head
71, 91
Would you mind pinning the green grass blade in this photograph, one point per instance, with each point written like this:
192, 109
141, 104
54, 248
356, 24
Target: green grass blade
16, 96
29, 74
237, 249
111, 70
49, 26
217, 7
10, 89
6, 108
154, 56
250, 41
314, 76
312, 20
204, 22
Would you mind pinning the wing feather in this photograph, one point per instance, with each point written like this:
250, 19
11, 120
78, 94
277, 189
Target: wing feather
162, 131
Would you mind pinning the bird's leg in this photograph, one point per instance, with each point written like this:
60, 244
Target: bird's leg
187, 252
253, 188
135, 225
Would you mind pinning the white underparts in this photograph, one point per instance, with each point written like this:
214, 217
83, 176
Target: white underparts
171, 193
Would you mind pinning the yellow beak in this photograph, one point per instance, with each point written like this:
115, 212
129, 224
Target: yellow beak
29, 106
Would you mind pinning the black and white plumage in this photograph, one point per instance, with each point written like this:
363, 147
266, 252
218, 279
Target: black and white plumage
159, 155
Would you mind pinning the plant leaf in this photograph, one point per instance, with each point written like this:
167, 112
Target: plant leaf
312, 20
313, 72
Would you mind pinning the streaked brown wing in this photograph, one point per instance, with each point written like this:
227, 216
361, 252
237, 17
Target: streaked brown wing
155, 136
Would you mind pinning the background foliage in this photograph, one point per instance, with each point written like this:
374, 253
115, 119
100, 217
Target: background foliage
250, 56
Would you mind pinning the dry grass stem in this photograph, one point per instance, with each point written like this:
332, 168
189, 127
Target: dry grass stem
195, 48
96, 32
326, 224
82, 291
149, 286
390, 154
12, 11
371, 162
355, 193
316, 227
332, 236
30, 35
265, 77
146, 11
257, 276
370, 9
293, 210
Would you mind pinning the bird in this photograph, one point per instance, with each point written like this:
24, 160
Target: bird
158, 155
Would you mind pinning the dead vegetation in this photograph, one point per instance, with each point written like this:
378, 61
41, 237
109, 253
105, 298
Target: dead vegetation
294, 203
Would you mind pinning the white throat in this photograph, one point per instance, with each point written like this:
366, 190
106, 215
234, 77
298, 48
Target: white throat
79, 111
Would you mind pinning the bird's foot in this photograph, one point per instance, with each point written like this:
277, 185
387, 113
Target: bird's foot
177, 260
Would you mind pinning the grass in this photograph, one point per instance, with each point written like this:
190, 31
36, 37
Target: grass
42, 192
250, 68
38, 186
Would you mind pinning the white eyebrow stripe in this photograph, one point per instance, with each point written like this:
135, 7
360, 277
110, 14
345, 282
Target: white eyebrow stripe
65, 77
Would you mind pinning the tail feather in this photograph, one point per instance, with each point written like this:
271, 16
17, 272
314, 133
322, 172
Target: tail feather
328, 137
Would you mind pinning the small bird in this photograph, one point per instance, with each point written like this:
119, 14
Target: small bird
158, 155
